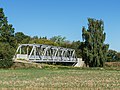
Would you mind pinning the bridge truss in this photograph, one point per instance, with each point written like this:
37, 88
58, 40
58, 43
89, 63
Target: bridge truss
45, 53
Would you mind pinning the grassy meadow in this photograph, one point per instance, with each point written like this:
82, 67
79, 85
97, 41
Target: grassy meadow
60, 79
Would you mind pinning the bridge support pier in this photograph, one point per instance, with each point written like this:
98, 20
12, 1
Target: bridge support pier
79, 63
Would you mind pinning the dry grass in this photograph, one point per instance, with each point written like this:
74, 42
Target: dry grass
60, 79
112, 64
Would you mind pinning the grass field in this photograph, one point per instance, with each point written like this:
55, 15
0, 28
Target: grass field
59, 79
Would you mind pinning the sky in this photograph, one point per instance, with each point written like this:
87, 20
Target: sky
63, 17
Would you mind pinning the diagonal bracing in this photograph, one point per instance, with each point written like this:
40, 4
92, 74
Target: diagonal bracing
45, 53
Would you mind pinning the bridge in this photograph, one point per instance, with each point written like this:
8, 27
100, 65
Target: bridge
45, 53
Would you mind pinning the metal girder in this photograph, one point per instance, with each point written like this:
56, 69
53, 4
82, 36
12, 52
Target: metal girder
45, 53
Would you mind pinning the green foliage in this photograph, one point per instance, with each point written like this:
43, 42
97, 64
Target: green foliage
58, 39
94, 50
61, 41
42, 41
6, 30
7, 41
6, 55
118, 56
21, 38
113, 56
76, 45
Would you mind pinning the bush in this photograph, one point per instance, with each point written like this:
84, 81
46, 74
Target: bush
6, 55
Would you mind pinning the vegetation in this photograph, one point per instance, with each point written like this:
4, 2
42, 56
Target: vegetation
47, 78
7, 41
113, 56
58, 39
94, 50
22, 38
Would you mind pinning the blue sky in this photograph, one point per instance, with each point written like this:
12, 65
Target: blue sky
63, 17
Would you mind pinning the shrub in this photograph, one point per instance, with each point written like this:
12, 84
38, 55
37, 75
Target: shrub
6, 55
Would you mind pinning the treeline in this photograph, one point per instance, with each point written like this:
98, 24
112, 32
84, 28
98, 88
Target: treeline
92, 50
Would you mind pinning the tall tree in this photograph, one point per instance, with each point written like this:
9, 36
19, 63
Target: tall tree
7, 41
94, 51
6, 30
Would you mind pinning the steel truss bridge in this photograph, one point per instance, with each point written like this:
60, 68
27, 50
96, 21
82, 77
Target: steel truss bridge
45, 53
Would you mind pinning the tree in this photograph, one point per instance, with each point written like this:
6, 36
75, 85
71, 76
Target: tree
35, 37
7, 41
118, 56
76, 45
94, 51
6, 55
111, 55
22, 38
6, 30
58, 39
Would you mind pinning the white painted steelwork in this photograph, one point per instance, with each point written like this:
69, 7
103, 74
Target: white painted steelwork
45, 53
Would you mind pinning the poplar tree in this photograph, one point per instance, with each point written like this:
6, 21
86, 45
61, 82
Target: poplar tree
94, 51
